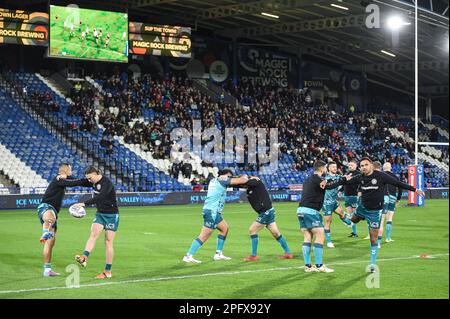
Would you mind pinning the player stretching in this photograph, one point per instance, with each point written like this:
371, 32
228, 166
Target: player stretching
394, 195
212, 215
259, 199
331, 204
106, 218
377, 167
310, 219
351, 194
372, 186
48, 213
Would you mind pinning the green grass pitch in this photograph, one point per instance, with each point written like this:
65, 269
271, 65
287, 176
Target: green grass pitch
75, 47
152, 240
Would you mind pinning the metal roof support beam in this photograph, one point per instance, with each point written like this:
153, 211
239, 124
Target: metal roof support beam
254, 8
433, 89
401, 66
351, 21
147, 3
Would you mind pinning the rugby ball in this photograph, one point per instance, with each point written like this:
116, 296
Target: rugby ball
77, 211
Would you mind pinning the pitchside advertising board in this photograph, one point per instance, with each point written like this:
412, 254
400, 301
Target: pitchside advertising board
161, 40
178, 198
22, 27
416, 179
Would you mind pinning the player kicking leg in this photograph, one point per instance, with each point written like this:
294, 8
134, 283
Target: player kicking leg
373, 219
109, 223
267, 220
328, 209
312, 228
47, 217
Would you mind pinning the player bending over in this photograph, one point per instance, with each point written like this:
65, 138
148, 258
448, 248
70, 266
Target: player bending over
212, 214
372, 186
259, 199
351, 195
48, 213
106, 218
331, 204
309, 216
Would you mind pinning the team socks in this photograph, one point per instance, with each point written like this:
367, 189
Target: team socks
196, 244
388, 230
373, 253
282, 241
254, 239
318, 254
306, 249
379, 240
108, 267
328, 235
86, 253
47, 267
220, 243
354, 229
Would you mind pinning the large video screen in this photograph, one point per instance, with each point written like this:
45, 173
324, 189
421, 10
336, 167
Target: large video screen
88, 34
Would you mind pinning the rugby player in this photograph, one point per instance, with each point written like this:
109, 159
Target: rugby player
106, 218
310, 219
394, 195
377, 167
372, 186
331, 204
108, 37
259, 199
351, 195
72, 32
212, 215
48, 212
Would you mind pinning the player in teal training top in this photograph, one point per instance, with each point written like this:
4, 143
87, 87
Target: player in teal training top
331, 204
212, 214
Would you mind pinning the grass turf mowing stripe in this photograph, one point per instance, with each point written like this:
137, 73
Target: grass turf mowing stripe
123, 282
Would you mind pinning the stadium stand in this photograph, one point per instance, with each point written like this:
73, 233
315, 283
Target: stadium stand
124, 124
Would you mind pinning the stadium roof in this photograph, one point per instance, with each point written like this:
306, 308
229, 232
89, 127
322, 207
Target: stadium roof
319, 28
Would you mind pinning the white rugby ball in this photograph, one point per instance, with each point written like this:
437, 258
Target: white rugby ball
77, 211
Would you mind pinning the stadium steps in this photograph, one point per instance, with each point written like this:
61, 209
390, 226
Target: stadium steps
55, 123
131, 171
19, 172
31, 139
6, 183
40, 118
217, 93
54, 86
441, 132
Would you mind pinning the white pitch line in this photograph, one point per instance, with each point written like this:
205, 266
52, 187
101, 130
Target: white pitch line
229, 273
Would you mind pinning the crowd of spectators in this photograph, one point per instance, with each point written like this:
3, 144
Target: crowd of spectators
307, 130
